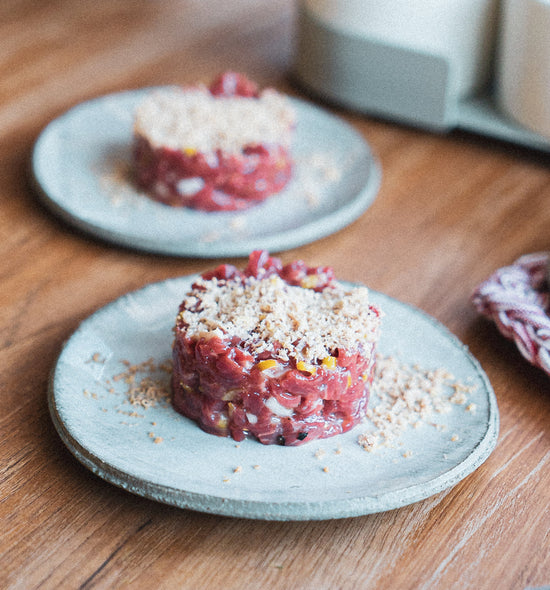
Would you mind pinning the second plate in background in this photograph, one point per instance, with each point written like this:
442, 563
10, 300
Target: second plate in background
81, 165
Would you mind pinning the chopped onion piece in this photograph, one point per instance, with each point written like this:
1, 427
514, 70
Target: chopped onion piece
277, 408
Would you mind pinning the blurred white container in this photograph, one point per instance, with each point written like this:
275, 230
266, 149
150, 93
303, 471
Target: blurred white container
523, 63
408, 59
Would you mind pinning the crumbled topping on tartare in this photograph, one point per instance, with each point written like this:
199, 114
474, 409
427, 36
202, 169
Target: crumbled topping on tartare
193, 120
307, 324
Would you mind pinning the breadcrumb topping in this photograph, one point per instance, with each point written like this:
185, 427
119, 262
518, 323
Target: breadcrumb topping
194, 120
308, 325
406, 396
146, 384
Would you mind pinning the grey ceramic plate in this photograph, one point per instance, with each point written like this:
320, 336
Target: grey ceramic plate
81, 163
192, 469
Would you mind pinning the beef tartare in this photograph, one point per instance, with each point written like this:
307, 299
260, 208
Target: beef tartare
284, 354
222, 148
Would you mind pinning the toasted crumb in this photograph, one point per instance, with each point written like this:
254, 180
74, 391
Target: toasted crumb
408, 396
237, 469
158, 439
147, 382
238, 223
326, 469
117, 183
312, 199
96, 358
194, 119
368, 441
332, 173
307, 324
209, 237
131, 414
459, 397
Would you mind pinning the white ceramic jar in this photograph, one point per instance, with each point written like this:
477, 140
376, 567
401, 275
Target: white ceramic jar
408, 60
523, 64
460, 31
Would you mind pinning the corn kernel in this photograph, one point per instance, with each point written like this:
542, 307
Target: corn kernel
349, 381
329, 362
267, 364
303, 366
309, 282
188, 151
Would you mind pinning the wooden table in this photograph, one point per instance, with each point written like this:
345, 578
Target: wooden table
451, 209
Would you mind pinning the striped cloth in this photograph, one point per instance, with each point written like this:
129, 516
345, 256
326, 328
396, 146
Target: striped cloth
517, 299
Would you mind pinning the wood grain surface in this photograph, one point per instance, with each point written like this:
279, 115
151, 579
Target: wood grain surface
451, 209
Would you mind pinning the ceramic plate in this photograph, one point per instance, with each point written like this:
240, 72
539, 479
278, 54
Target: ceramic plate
81, 166
161, 455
